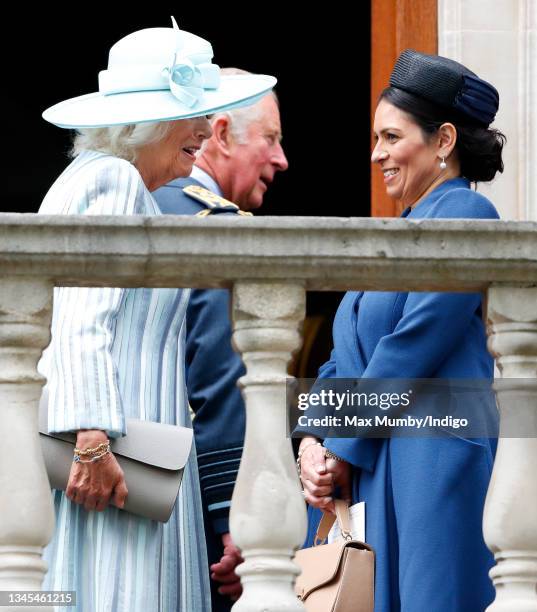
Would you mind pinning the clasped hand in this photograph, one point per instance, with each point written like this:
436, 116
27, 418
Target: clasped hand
320, 476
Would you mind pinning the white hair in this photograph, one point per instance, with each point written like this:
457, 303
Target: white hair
120, 140
240, 118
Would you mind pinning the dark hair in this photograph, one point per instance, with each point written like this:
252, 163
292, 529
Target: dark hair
479, 148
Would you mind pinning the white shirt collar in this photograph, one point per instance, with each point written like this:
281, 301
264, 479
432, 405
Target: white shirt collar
206, 180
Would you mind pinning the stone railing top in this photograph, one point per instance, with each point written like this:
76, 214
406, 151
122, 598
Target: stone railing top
323, 253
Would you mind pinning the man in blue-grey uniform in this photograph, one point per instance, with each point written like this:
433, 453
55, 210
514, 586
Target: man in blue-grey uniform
230, 176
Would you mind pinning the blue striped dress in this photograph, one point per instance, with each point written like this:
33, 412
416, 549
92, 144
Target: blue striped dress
117, 354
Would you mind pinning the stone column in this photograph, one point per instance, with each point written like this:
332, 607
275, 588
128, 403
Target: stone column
510, 523
268, 515
26, 512
498, 41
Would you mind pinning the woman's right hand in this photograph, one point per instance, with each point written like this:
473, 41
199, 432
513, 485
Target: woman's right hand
318, 484
320, 476
94, 485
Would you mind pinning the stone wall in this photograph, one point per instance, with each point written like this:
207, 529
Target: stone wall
498, 40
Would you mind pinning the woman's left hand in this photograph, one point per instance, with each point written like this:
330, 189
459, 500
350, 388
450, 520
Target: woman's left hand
341, 472
321, 475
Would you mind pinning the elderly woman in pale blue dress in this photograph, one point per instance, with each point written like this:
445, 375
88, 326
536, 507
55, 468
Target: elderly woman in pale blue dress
118, 353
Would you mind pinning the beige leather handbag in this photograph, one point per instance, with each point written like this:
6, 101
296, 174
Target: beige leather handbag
337, 577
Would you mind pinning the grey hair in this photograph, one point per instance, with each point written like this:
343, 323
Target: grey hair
123, 141
240, 118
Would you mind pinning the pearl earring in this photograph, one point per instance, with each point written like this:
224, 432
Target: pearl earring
443, 164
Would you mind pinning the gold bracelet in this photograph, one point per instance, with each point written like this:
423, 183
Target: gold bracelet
93, 451
77, 459
330, 455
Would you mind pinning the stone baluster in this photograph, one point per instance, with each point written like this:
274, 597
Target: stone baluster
26, 512
510, 523
268, 517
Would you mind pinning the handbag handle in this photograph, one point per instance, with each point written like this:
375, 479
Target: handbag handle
328, 519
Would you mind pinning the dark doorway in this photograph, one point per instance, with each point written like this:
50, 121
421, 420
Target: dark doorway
320, 58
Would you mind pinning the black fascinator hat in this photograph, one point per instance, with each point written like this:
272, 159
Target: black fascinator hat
447, 83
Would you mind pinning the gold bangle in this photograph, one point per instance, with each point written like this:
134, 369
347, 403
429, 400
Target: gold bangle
104, 446
77, 459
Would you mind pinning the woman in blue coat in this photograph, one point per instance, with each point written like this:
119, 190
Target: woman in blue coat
424, 497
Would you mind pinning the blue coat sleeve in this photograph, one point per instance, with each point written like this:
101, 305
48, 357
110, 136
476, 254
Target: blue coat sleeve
213, 368
431, 327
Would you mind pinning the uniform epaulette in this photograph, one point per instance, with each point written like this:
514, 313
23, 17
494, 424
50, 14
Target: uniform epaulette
213, 202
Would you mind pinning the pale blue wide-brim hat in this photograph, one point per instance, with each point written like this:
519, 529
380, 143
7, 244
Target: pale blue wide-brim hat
159, 74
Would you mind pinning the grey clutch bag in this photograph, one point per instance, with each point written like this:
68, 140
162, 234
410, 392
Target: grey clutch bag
152, 456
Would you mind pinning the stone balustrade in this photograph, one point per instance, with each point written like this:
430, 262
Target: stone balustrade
270, 263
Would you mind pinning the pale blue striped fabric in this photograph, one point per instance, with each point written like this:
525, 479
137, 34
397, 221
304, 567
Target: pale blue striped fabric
117, 354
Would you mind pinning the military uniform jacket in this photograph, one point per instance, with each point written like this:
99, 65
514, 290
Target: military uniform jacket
212, 366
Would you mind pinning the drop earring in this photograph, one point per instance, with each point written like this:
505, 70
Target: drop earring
443, 164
